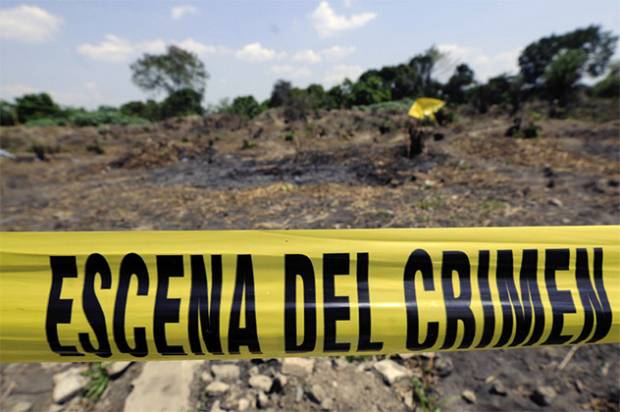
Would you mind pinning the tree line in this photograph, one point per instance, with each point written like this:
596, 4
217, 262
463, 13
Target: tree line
551, 68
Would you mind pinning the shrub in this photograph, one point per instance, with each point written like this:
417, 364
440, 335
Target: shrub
8, 115
610, 85
246, 106
45, 122
34, 106
182, 103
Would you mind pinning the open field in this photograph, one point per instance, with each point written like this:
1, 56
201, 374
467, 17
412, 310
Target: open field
340, 169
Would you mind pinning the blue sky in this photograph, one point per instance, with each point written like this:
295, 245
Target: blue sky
80, 51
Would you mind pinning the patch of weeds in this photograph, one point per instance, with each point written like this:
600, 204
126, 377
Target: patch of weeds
430, 203
289, 136
425, 401
351, 358
247, 144
95, 148
98, 380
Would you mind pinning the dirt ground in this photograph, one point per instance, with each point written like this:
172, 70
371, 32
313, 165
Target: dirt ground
342, 169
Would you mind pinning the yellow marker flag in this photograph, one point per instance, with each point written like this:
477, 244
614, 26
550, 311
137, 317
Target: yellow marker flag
425, 107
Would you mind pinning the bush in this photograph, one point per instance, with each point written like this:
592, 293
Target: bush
610, 85
182, 103
8, 115
35, 106
149, 110
46, 122
246, 106
104, 116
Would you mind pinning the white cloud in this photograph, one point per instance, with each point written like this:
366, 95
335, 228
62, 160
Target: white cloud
30, 24
111, 49
255, 52
291, 72
484, 65
178, 12
199, 48
340, 72
327, 23
307, 56
116, 49
337, 52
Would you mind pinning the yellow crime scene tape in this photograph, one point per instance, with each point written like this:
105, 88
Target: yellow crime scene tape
249, 294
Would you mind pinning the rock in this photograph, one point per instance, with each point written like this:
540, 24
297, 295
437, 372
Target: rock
391, 371
317, 393
408, 399
162, 387
216, 407
262, 400
261, 382
67, 384
443, 366
543, 395
116, 369
299, 394
226, 372
327, 404
300, 367
206, 377
469, 396
498, 388
55, 408
406, 355
243, 404
556, 202
217, 388
21, 406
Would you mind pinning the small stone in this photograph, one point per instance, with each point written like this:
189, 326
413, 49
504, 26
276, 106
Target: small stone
498, 388
317, 393
543, 395
217, 388
67, 384
556, 202
116, 369
408, 399
327, 404
428, 355
243, 404
21, 406
299, 394
55, 408
300, 367
216, 407
391, 371
469, 396
253, 370
406, 355
261, 382
206, 377
444, 366
226, 372
262, 400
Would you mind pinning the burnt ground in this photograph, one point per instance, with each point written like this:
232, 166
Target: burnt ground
342, 169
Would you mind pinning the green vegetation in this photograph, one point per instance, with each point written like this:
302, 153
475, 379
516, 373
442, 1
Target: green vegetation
98, 381
425, 401
550, 69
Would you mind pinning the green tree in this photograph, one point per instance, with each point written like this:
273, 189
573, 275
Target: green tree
8, 115
245, 106
171, 72
597, 45
458, 83
36, 106
370, 90
149, 110
610, 85
281, 93
563, 73
182, 102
